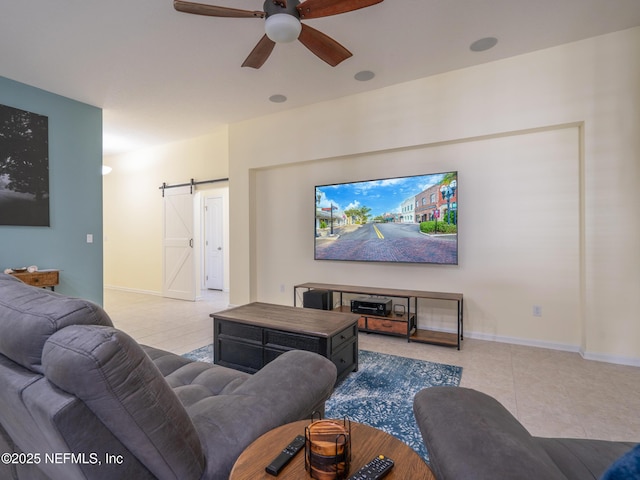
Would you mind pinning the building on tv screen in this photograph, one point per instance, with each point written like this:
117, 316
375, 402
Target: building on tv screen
404, 219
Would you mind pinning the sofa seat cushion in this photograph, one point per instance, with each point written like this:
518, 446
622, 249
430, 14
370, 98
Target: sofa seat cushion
30, 315
195, 381
112, 375
582, 459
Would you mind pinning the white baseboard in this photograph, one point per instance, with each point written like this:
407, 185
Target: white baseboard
524, 341
148, 292
598, 357
134, 290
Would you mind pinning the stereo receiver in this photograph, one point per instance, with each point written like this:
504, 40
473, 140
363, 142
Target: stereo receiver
372, 305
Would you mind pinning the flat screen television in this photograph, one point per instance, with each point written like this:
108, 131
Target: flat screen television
410, 219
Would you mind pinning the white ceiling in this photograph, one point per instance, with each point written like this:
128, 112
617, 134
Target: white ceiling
162, 76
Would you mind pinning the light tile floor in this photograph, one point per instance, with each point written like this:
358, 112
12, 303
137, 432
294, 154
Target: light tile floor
553, 393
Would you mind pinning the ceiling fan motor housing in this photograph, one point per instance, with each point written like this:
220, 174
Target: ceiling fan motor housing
271, 7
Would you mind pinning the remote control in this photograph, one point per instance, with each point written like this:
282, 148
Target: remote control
285, 456
374, 470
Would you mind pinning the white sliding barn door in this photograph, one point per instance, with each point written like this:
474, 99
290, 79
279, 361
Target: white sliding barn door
179, 272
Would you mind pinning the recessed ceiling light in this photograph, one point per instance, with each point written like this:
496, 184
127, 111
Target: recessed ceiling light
483, 44
364, 75
278, 98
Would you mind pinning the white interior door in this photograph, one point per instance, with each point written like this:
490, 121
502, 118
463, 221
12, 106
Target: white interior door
214, 247
178, 259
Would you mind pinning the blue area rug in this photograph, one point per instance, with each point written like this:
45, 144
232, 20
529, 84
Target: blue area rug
202, 354
381, 392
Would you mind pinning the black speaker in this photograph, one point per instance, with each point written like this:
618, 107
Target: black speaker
320, 299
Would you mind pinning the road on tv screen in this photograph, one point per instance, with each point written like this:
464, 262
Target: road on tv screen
387, 242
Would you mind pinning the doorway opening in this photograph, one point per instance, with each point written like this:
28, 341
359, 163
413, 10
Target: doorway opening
196, 236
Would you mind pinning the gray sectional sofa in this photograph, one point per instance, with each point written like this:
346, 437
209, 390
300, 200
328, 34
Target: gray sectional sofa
470, 435
80, 399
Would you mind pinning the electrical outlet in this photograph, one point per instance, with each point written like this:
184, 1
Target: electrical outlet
282, 288
537, 311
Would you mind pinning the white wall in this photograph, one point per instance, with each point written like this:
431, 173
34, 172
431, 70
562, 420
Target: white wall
518, 221
563, 120
133, 205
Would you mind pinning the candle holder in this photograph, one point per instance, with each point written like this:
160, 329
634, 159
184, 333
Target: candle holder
327, 452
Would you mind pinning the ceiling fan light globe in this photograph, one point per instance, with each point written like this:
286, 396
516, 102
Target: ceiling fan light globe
282, 27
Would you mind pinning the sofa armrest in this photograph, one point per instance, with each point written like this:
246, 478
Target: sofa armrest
287, 389
469, 434
298, 381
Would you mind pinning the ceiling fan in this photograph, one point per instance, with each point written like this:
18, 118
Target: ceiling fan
283, 25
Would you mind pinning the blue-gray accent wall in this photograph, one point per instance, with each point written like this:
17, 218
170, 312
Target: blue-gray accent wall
75, 189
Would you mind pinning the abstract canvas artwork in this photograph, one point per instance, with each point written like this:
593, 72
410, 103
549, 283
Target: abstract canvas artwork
24, 168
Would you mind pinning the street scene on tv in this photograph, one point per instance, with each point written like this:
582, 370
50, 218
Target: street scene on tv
405, 219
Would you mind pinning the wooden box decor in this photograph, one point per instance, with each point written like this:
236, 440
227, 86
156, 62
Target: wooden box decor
328, 449
37, 278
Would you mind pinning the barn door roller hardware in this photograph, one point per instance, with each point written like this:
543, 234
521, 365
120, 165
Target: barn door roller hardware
191, 184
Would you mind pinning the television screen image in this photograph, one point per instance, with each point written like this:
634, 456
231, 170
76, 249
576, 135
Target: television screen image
410, 219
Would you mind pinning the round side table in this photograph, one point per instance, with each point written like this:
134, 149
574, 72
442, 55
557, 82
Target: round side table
366, 443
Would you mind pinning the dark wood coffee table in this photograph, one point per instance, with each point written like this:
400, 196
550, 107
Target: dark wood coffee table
366, 443
250, 336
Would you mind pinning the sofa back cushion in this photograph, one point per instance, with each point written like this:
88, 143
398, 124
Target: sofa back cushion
30, 315
110, 373
38, 417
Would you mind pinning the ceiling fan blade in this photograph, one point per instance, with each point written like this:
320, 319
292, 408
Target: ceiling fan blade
260, 53
323, 46
213, 11
324, 8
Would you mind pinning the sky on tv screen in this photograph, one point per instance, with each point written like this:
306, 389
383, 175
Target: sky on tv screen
381, 196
